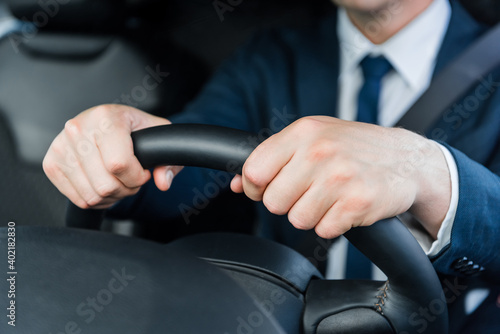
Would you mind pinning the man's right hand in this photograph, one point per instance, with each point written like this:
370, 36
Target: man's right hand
92, 160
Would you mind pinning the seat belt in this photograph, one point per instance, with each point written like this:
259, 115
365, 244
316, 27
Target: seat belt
482, 57
479, 59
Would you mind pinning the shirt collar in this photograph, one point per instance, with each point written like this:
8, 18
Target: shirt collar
413, 63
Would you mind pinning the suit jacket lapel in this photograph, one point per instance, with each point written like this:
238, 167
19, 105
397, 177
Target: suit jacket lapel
317, 63
462, 31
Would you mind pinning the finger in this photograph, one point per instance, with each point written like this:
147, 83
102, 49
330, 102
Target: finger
139, 120
91, 198
164, 176
291, 182
264, 164
115, 143
54, 172
335, 222
92, 168
61, 166
237, 184
78, 182
117, 154
310, 208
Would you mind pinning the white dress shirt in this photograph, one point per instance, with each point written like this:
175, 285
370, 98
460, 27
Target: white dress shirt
413, 69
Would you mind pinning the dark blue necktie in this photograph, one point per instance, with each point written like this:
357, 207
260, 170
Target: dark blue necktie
374, 69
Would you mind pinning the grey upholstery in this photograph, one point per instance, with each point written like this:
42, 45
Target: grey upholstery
92, 52
49, 76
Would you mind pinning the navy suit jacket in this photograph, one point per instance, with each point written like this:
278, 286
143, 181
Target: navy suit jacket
286, 74
283, 75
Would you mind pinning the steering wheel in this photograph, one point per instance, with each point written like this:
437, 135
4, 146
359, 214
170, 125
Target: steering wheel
74, 279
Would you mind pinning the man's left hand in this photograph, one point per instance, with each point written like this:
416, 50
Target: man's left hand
332, 175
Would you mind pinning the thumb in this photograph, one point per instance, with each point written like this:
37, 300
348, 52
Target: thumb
140, 120
164, 175
237, 184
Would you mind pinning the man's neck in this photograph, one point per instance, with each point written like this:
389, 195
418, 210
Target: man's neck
381, 24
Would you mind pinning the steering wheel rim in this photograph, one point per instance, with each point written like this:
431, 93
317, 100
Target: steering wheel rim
389, 245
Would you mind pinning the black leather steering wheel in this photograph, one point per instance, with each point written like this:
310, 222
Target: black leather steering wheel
389, 245
80, 256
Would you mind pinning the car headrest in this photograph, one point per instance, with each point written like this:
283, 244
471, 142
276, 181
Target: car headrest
72, 14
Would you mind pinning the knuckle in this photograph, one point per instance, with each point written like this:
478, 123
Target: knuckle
252, 175
272, 205
72, 128
116, 166
58, 148
327, 232
339, 178
109, 116
106, 190
307, 124
321, 232
358, 201
332, 229
49, 167
300, 221
344, 171
133, 191
103, 110
321, 149
93, 201
364, 201
349, 173
356, 205
81, 204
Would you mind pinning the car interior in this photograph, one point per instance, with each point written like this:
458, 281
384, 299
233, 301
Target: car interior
59, 58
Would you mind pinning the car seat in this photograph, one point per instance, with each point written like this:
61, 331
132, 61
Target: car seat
63, 58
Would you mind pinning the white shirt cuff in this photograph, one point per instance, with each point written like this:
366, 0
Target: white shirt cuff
444, 233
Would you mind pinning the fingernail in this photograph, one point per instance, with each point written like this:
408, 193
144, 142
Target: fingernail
169, 177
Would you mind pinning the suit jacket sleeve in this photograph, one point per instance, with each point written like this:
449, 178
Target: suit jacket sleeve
474, 244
